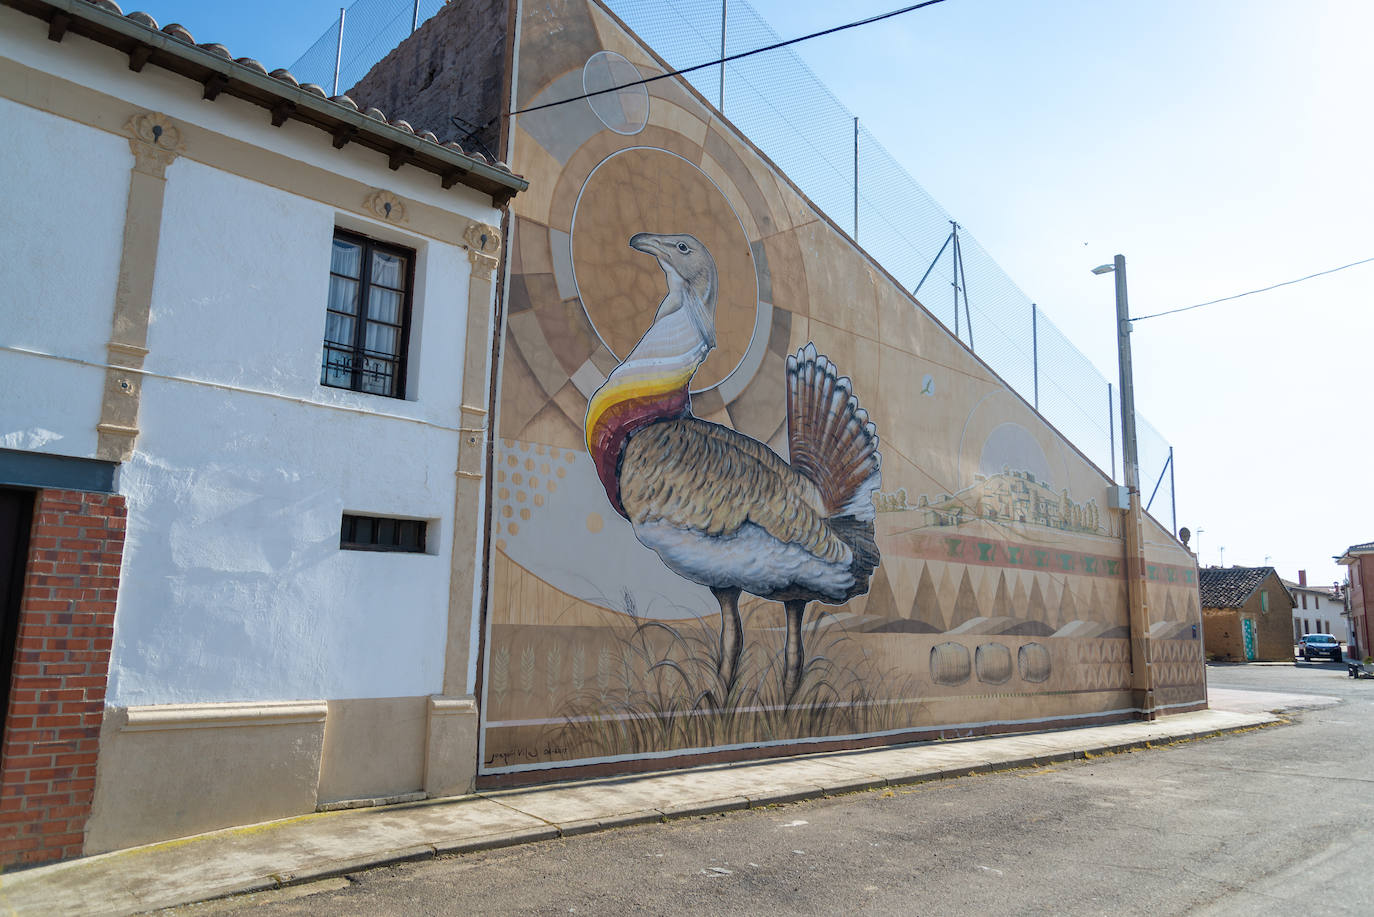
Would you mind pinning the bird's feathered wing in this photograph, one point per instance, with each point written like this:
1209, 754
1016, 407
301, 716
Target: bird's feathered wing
702, 476
830, 438
725, 510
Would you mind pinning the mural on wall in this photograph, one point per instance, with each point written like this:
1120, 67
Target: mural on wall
696, 544
717, 506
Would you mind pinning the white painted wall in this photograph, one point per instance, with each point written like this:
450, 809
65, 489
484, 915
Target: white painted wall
1321, 610
234, 586
65, 190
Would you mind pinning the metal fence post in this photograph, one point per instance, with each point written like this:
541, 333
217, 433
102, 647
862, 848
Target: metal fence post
1111, 428
415, 17
1035, 354
338, 52
1173, 498
724, 10
856, 179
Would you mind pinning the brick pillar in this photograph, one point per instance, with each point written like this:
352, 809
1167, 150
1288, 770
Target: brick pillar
62, 657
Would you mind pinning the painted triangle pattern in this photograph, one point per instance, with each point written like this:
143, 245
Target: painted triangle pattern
1102, 665
926, 605
1176, 663
965, 603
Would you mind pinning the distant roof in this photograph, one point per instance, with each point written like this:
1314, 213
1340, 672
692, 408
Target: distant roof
1309, 588
211, 65
1366, 548
1230, 587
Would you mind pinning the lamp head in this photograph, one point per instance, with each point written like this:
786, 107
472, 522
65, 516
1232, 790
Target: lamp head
1104, 268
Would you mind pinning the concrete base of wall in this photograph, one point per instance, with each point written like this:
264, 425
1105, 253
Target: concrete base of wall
451, 746
169, 771
178, 769
373, 748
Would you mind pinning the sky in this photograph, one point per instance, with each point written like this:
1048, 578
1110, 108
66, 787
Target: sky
1219, 145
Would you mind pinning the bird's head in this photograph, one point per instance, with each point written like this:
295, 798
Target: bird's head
691, 273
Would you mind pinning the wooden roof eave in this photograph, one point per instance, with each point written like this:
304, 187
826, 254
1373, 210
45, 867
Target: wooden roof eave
282, 100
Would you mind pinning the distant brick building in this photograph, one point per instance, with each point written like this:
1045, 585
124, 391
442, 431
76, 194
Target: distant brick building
1359, 558
1246, 614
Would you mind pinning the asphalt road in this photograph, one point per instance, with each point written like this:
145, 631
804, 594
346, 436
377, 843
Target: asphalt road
1273, 821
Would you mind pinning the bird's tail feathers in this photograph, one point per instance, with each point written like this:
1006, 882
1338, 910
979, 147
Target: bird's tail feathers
829, 437
859, 536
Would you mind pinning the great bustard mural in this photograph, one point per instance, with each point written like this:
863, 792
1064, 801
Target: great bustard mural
721, 508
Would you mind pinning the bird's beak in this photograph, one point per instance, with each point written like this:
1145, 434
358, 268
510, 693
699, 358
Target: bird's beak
645, 242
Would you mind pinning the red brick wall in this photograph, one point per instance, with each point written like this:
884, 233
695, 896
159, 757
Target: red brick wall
1362, 601
57, 693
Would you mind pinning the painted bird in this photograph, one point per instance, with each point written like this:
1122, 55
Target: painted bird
721, 508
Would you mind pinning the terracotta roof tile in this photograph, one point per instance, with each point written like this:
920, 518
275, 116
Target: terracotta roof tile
211, 63
180, 32
1229, 587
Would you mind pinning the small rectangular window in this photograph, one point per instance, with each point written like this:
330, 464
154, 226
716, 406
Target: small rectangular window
367, 317
1304, 601
379, 533
1264, 600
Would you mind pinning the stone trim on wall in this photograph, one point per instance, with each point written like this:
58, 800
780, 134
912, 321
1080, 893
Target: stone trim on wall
483, 244
155, 141
61, 663
165, 717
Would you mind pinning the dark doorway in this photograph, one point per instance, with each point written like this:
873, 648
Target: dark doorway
16, 516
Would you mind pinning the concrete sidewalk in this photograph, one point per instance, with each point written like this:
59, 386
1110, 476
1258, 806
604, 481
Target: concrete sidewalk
326, 844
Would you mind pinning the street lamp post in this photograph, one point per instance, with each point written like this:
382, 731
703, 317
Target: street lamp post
1130, 461
1142, 673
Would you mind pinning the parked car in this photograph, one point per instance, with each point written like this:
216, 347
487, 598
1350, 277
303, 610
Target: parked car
1316, 646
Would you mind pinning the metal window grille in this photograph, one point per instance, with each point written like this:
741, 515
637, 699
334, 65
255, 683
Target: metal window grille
379, 533
367, 320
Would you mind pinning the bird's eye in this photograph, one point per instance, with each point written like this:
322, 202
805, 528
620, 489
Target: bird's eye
682, 247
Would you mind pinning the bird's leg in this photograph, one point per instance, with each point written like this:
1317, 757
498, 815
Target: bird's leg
731, 639
794, 654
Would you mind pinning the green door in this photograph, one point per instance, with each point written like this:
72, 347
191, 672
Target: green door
1248, 628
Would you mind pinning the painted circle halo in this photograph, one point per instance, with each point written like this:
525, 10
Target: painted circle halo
624, 110
644, 189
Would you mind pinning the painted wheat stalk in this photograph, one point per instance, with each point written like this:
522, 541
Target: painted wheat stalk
579, 663
500, 672
603, 670
527, 670
553, 670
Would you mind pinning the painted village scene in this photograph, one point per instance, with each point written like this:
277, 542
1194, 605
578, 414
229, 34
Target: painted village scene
747, 493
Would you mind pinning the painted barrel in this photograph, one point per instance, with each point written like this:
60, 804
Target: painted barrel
993, 664
1033, 660
950, 664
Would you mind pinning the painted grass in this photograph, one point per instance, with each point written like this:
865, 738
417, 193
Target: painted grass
663, 690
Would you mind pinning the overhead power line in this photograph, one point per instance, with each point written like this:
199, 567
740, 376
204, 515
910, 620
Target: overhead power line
734, 57
1286, 283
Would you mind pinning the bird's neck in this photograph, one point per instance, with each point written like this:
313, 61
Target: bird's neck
651, 385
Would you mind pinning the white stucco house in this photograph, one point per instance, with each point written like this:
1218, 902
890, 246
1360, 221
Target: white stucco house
245, 345
1318, 610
